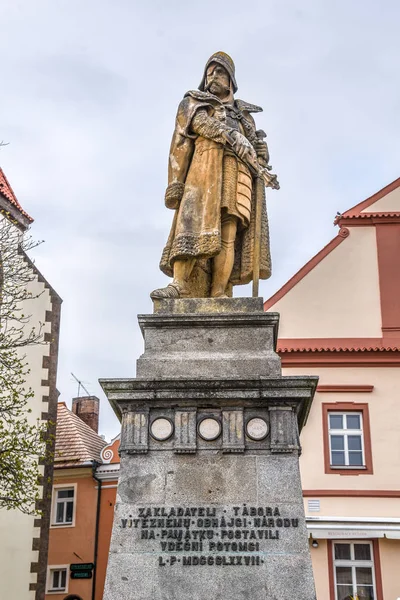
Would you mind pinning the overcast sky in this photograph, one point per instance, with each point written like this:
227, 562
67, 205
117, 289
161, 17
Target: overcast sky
88, 101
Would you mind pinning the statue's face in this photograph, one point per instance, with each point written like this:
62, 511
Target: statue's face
217, 80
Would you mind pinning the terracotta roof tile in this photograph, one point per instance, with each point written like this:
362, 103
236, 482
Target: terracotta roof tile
7, 191
368, 215
76, 442
337, 345
343, 220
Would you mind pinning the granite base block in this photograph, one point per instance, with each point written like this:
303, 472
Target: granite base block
287, 576
209, 525
198, 337
211, 511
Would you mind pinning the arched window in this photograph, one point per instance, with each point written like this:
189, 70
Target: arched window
73, 597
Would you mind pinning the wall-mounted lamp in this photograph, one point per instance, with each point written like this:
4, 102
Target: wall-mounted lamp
315, 543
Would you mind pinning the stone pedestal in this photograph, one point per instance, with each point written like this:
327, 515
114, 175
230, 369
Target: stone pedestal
209, 501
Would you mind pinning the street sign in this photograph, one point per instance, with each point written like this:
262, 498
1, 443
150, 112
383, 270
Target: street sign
81, 575
81, 567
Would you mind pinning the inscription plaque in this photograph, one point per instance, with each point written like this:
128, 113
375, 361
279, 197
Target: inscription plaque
257, 429
209, 429
161, 429
207, 535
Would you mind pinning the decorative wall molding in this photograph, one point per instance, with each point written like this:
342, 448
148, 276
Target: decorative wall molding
326, 493
345, 388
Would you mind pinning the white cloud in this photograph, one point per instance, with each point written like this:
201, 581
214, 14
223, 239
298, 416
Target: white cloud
89, 95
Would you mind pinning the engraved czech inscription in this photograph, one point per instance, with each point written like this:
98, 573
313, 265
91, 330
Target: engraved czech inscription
207, 535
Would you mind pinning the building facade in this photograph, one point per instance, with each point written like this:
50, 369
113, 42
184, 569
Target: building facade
24, 538
340, 320
82, 505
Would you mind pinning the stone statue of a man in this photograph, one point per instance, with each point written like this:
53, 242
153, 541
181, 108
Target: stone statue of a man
214, 157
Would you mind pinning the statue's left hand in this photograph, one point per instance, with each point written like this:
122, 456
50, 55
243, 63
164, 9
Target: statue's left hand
261, 149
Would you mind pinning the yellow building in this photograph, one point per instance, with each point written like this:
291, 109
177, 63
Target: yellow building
340, 320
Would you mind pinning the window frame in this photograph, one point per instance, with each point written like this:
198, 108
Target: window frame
50, 570
347, 407
57, 488
352, 563
344, 432
376, 569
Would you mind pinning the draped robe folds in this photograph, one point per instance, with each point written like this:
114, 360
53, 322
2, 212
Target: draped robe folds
195, 186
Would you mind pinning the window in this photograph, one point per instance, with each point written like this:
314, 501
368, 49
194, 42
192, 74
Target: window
64, 505
354, 572
347, 439
57, 580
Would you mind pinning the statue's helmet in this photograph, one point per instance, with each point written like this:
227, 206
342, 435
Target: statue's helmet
222, 59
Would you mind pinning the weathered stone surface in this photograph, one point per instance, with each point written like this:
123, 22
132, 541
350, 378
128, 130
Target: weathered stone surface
232, 486
278, 478
288, 576
221, 518
283, 539
257, 396
198, 337
194, 306
257, 485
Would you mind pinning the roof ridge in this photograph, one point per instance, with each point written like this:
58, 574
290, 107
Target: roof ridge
357, 208
342, 220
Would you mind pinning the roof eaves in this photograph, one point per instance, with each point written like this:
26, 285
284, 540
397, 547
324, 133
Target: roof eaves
338, 347
10, 202
355, 210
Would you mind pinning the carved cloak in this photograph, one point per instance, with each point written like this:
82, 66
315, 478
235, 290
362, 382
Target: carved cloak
195, 180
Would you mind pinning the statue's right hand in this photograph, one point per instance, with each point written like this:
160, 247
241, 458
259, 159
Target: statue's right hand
242, 145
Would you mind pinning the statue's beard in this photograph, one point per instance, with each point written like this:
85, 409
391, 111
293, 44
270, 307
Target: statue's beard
217, 88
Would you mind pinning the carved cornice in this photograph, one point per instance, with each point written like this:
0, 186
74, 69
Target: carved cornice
132, 394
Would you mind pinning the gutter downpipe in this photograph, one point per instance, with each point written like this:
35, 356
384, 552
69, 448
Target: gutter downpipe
96, 535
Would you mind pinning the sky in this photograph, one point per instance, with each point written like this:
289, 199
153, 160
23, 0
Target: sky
89, 96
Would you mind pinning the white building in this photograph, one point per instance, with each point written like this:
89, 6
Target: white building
24, 538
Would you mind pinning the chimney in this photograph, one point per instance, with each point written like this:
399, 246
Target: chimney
87, 409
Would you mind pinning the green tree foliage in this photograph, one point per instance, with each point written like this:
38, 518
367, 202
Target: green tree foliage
22, 439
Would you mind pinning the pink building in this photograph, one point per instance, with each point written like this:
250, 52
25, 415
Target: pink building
340, 320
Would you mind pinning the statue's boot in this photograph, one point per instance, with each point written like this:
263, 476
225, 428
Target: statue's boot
223, 262
178, 288
172, 290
